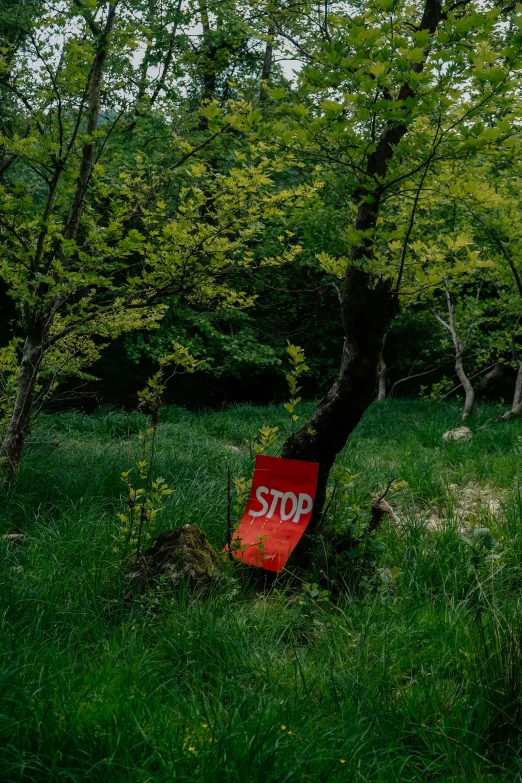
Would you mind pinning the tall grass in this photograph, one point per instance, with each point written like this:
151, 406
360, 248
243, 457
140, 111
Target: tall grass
417, 678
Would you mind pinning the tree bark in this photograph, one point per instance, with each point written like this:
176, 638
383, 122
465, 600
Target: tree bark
368, 311
469, 391
94, 106
207, 56
494, 375
460, 348
20, 420
383, 373
381, 395
516, 406
267, 65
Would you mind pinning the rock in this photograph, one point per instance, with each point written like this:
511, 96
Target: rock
461, 433
473, 500
177, 557
13, 538
470, 504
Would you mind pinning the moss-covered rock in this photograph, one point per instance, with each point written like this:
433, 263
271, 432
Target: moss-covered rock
177, 557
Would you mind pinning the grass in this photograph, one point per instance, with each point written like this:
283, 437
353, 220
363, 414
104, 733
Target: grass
417, 678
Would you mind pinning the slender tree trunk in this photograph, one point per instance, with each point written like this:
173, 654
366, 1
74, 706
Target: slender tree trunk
267, 65
516, 406
94, 106
381, 394
20, 420
207, 55
460, 348
469, 391
383, 374
517, 397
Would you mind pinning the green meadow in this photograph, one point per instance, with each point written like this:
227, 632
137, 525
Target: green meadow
413, 674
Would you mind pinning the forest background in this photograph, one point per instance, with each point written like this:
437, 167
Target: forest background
292, 96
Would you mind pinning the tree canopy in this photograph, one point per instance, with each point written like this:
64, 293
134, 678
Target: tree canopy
234, 174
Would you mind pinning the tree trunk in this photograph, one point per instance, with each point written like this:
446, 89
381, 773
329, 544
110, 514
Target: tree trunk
367, 308
19, 423
207, 56
517, 397
516, 407
494, 375
466, 385
381, 395
267, 65
368, 312
460, 348
383, 374
94, 101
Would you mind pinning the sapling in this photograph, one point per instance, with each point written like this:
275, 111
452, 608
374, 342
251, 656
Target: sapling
145, 495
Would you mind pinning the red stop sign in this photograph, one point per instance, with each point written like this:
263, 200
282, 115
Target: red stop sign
278, 511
